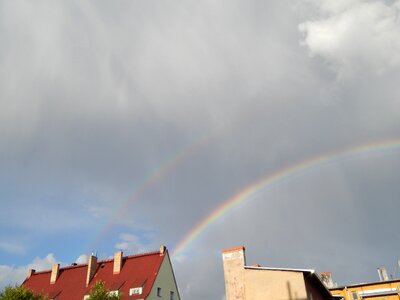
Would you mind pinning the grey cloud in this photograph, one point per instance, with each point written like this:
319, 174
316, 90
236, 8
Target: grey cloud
95, 98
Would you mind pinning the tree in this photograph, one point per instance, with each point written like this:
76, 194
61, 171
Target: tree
99, 292
20, 293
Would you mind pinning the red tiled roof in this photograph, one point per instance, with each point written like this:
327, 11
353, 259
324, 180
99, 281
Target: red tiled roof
137, 270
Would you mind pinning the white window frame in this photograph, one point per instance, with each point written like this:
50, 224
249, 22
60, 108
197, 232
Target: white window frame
113, 293
135, 291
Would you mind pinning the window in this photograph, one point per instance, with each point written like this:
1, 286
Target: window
355, 297
113, 293
158, 292
171, 295
135, 291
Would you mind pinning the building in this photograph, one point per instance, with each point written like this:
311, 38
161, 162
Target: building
143, 276
244, 282
384, 289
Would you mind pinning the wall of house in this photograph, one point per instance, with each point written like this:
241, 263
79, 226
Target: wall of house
166, 281
274, 285
347, 293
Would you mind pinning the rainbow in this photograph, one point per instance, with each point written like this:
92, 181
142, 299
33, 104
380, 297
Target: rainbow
276, 177
167, 167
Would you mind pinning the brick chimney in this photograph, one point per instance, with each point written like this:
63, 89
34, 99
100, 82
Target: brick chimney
31, 272
234, 261
163, 250
54, 273
117, 262
92, 267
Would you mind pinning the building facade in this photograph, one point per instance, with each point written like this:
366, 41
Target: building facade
143, 276
259, 283
384, 289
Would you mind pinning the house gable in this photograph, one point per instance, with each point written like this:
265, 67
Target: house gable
164, 283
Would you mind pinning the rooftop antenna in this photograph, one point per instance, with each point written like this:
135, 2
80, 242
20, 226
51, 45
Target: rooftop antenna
383, 275
396, 268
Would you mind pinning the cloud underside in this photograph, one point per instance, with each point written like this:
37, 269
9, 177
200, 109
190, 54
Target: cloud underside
123, 125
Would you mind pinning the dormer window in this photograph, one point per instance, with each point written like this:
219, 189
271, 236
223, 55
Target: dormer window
113, 293
135, 291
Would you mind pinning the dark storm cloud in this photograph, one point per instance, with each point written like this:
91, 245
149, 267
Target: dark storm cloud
96, 97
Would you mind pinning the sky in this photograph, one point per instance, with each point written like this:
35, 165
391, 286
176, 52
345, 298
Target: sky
201, 125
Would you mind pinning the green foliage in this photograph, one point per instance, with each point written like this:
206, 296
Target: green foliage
99, 292
19, 293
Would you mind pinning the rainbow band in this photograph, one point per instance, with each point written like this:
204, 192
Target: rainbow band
270, 179
165, 169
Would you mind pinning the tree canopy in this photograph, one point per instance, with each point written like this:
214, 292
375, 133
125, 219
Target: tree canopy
99, 292
20, 293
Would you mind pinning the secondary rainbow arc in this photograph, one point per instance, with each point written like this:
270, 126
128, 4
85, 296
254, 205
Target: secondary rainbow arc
149, 181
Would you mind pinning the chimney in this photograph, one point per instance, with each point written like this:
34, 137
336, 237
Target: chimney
117, 262
163, 250
54, 273
234, 261
383, 275
92, 267
31, 272
326, 278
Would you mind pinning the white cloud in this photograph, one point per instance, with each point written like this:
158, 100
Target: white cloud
43, 263
10, 275
130, 243
355, 36
10, 247
82, 259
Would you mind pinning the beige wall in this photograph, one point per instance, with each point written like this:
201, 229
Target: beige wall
274, 285
166, 281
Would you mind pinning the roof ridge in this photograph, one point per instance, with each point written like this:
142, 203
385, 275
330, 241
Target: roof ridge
72, 266
130, 256
100, 261
143, 254
41, 272
280, 269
